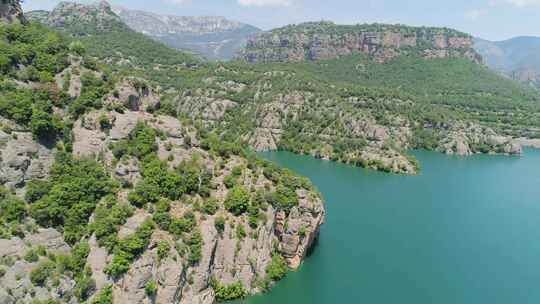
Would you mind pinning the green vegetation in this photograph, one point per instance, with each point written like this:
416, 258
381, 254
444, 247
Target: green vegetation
41, 273
237, 200
277, 268
105, 296
42, 53
163, 249
219, 223
150, 288
76, 188
228, 292
195, 243
108, 217
127, 249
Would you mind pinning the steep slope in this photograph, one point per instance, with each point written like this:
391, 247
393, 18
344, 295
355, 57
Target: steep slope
11, 11
517, 58
365, 108
326, 40
106, 199
215, 38
106, 36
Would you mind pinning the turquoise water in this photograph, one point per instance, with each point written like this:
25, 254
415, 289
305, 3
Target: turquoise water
465, 231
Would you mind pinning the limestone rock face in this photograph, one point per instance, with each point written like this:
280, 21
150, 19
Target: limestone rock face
11, 11
15, 284
325, 40
466, 139
65, 13
22, 159
135, 95
206, 108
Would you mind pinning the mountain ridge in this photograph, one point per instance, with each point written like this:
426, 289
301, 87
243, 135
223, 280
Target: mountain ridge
213, 37
517, 58
327, 40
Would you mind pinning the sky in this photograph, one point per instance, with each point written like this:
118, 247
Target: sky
488, 19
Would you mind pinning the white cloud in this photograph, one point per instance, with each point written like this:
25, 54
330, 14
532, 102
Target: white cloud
523, 3
261, 3
177, 2
474, 14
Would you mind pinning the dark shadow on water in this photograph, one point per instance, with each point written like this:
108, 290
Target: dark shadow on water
313, 246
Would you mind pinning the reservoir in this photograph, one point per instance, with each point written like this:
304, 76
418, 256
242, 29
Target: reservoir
465, 230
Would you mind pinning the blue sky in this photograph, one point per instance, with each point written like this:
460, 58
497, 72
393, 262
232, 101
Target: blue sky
489, 19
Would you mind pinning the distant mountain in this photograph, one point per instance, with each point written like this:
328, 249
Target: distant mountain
315, 41
215, 38
107, 37
518, 58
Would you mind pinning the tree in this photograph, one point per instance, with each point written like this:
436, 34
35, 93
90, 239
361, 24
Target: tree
237, 200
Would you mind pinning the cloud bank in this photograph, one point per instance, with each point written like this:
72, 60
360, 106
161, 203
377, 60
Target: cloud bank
523, 3
261, 3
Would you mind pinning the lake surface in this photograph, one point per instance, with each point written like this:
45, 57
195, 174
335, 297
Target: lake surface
464, 231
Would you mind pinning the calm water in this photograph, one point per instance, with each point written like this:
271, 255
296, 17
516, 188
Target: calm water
465, 231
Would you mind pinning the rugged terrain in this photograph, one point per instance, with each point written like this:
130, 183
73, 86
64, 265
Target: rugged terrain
326, 40
104, 196
215, 38
366, 107
126, 166
517, 58
11, 11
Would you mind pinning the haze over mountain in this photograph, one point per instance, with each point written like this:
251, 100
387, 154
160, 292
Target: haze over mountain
213, 37
518, 58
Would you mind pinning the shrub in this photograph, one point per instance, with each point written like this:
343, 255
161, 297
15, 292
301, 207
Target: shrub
150, 288
41, 273
76, 188
12, 209
277, 268
36, 189
219, 223
195, 243
31, 256
237, 200
229, 181
105, 296
129, 248
240, 231
228, 292
163, 249
284, 198
108, 218
210, 207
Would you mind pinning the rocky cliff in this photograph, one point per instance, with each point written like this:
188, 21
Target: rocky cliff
326, 40
227, 256
11, 11
105, 199
83, 19
210, 36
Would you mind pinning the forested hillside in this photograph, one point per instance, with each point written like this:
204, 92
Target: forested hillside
361, 107
105, 198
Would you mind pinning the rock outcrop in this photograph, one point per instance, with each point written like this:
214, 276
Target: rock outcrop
99, 15
11, 11
325, 40
225, 257
22, 158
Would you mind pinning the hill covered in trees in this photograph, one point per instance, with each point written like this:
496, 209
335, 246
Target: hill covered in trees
128, 169
106, 198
